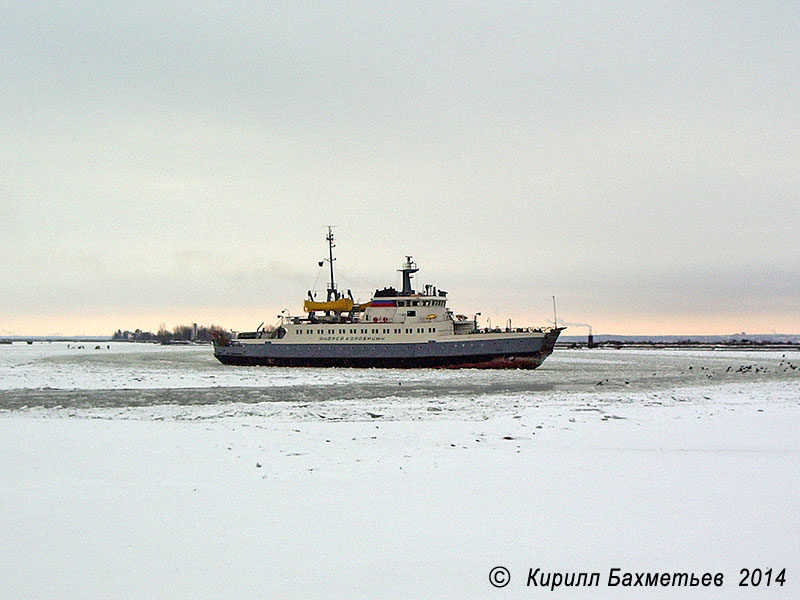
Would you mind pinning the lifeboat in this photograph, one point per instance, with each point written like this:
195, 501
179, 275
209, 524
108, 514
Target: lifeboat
341, 305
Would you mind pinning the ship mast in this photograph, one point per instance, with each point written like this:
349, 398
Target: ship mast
333, 294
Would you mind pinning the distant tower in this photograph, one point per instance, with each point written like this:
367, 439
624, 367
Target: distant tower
194, 331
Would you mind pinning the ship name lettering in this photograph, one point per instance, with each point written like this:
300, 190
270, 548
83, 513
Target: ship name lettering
358, 338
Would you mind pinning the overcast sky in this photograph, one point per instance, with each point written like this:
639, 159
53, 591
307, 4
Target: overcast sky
178, 161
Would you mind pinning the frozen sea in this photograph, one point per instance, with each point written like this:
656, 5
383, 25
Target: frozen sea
73, 378
135, 470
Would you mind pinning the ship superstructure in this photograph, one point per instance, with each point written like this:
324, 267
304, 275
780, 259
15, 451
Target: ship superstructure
402, 328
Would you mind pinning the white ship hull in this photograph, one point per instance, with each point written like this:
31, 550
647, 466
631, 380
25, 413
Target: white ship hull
513, 350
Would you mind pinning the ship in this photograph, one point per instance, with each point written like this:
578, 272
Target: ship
402, 328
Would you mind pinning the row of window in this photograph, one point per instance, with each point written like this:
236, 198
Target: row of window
367, 330
420, 303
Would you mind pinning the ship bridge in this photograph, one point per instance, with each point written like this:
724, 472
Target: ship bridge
407, 305
416, 308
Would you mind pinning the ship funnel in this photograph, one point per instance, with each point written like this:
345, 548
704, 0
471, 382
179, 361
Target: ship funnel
409, 268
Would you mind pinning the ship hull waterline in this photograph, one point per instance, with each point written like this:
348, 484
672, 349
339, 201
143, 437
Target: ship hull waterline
419, 362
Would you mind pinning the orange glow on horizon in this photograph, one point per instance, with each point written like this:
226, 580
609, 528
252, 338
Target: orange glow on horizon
248, 318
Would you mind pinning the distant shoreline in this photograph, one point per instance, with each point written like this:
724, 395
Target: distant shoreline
734, 341
23, 339
681, 345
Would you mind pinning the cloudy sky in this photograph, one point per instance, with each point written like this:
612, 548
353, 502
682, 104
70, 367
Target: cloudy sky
179, 161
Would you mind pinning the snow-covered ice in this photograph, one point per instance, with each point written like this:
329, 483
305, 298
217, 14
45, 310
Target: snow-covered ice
145, 471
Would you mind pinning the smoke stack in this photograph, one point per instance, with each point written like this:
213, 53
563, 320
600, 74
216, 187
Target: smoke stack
590, 342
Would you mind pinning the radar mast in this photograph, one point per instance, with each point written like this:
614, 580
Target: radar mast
333, 293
